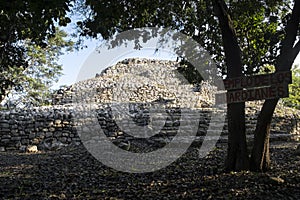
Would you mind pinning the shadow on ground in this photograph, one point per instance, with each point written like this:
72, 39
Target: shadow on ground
72, 173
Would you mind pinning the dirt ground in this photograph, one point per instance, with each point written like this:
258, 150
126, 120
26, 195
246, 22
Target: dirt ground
72, 173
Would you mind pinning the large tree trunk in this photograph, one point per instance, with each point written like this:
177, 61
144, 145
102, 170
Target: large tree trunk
237, 156
260, 156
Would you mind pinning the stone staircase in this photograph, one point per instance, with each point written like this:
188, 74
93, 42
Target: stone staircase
208, 129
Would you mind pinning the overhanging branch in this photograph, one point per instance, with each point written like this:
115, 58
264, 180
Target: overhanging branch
287, 54
292, 26
232, 50
296, 49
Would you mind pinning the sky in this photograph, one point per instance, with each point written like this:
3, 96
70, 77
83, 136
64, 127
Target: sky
71, 63
85, 63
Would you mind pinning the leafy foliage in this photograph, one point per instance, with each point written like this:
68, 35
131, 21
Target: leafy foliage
26, 23
43, 69
267, 69
294, 90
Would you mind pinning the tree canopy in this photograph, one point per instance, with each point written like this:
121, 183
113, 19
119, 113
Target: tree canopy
25, 26
260, 25
33, 84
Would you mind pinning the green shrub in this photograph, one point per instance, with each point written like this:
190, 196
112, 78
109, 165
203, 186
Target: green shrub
294, 89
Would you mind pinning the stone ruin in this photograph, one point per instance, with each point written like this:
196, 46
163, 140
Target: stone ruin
138, 84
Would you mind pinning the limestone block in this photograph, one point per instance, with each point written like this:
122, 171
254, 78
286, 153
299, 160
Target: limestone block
32, 149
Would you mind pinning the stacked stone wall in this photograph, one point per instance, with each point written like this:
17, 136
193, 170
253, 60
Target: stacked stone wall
55, 126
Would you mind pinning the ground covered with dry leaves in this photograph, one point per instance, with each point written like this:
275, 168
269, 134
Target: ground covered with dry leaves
72, 173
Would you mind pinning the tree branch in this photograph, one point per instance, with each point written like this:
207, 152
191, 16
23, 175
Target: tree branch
286, 55
232, 50
293, 25
296, 49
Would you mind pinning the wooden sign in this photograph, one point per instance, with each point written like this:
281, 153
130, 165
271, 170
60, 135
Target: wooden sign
258, 80
250, 88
